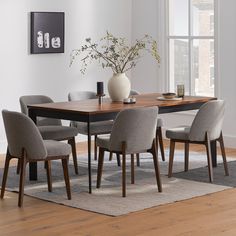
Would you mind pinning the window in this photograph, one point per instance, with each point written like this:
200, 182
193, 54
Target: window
191, 43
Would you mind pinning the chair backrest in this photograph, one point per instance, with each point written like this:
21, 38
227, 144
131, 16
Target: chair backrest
37, 99
21, 134
133, 92
78, 96
136, 127
208, 119
81, 95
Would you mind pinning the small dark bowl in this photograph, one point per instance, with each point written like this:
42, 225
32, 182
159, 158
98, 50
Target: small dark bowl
169, 95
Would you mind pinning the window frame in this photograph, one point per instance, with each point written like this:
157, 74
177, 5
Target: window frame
165, 42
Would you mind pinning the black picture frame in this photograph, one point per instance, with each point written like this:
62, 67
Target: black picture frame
47, 32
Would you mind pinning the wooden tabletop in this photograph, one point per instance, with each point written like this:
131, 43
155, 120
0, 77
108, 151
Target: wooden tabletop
91, 106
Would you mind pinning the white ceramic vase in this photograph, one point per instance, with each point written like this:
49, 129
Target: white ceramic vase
119, 87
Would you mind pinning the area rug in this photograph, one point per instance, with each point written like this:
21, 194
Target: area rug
199, 174
107, 200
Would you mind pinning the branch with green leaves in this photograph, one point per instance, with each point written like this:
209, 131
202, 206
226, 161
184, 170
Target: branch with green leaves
114, 53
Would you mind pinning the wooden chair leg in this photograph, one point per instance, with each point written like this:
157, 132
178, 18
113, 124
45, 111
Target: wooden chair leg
222, 146
95, 148
209, 159
5, 173
74, 154
18, 164
66, 177
110, 156
138, 159
132, 168
22, 180
123, 169
171, 158
160, 139
18, 167
49, 175
100, 166
186, 156
156, 166
118, 159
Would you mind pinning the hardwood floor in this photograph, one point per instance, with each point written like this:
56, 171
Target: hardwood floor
214, 214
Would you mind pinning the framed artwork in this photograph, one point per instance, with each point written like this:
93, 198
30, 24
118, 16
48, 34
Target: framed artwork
47, 32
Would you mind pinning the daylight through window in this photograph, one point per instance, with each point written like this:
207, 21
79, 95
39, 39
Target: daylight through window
191, 40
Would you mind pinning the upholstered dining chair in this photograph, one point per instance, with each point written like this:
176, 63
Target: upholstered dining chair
159, 137
51, 128
27, 145
206, 127
99, 127
133, 132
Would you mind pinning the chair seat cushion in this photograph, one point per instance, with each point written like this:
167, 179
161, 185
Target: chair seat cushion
99, 127
103, 141
42, 121
181, 133
159, 122
57, 132
56, 148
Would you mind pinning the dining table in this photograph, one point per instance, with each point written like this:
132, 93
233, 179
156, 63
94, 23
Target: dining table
91, 111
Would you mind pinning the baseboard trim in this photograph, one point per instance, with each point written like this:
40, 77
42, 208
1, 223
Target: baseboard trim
230, 141
3, 146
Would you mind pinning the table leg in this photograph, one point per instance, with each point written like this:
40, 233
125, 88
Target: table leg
89, 156
33, 173
214, 153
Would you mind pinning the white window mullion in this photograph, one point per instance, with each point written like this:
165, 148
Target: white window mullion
197, 45
216, 52
167, 48
190, 37
191, 85
191, 69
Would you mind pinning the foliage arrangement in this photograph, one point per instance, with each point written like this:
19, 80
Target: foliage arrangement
114, 53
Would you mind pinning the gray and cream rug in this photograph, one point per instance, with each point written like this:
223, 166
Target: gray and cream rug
143, 194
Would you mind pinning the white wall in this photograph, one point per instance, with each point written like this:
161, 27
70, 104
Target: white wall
147, 19
144, 21
22, 73
227, 66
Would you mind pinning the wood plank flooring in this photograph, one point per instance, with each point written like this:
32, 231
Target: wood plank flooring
214, 214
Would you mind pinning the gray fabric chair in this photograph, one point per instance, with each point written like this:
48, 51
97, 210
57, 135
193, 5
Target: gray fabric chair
133, 132
100, 127
51, 128
159, 137
206, 127
26, 144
